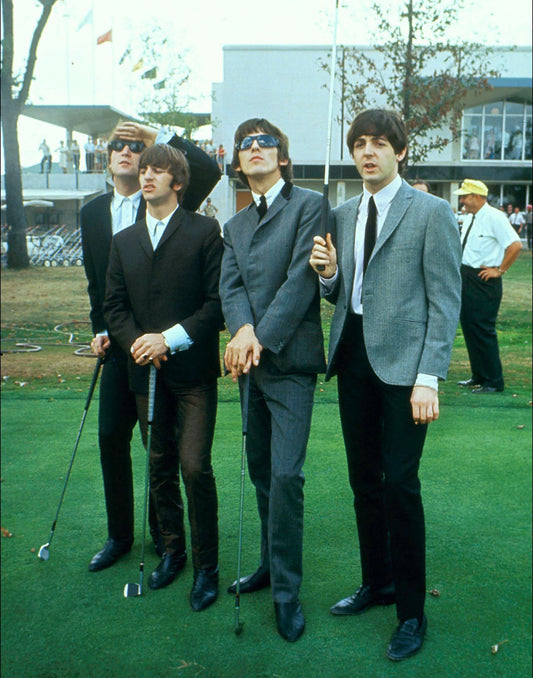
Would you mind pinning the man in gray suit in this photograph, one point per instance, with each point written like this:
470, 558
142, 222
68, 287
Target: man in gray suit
391, 339
271, 303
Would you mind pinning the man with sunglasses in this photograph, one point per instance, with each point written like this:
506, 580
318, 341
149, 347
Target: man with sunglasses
270, 300
101, 219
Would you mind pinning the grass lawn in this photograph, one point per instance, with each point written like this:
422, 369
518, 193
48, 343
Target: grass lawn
59, 620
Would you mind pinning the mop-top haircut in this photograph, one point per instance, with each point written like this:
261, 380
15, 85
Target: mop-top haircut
170, 159
257, 126
379, 122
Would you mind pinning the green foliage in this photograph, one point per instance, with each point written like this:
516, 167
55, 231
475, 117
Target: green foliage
160, 85
417, 71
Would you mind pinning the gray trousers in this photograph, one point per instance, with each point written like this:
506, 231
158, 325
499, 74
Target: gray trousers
279, 422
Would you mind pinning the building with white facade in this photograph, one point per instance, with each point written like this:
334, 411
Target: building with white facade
289, 86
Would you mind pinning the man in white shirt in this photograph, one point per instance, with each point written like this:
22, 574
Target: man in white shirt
490, 246
517, 220
393, 275
162, 306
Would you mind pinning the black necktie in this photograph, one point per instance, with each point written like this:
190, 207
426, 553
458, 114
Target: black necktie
262, 207
468, 232
370, 232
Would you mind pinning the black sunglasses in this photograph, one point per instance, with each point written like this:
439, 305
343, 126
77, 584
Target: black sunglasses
264, 141
119, 144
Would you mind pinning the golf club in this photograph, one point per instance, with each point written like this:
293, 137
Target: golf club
245, 379
44, 551
325, 194
132, 590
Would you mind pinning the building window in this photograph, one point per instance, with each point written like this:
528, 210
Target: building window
500, 130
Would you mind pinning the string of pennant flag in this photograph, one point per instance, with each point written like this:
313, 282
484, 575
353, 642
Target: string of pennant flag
150, 74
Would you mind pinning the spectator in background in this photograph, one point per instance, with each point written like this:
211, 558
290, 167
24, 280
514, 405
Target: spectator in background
517, 221
89, 155
528, 218
421, 185
63, 156
209, 209
75, 152
490, 246
46, 160
221, 154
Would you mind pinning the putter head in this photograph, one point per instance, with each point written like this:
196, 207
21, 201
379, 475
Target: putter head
44, 553
132, 590
238, 628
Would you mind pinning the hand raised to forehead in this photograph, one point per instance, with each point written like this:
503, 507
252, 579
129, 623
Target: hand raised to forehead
134, 131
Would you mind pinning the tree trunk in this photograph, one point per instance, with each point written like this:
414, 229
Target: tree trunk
17, 256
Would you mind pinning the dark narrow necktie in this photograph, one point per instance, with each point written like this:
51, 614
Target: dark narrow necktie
468, 232
370, 232
262, 207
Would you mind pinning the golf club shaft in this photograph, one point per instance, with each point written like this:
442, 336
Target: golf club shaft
151, 404
244, 415
325, 194
94, 379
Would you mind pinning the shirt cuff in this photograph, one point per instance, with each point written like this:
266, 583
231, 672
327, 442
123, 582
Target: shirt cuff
328, 283
177, 338
428, 380
164, 136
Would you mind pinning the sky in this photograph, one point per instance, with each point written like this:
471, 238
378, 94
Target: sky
71, 68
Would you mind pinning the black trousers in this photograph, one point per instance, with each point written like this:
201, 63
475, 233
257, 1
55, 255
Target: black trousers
116, 420
182, 438
480, 303
383, 450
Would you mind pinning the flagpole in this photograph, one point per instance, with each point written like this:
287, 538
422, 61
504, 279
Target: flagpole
93, 53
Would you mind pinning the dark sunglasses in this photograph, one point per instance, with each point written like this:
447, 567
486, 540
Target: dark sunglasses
264, 141
119, 144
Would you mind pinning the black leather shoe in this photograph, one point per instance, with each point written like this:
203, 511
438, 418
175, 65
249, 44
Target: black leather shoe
407, 639
204, 588
113, 549
468, 382
165, 573
363, 599
487, 389
290, 620
260, 579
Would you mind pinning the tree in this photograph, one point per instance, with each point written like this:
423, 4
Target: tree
15, 90
417, 71
160, 84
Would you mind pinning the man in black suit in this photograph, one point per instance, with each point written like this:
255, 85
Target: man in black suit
162, 305
100, 219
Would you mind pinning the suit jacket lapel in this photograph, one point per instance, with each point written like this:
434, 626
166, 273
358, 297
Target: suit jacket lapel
144, 238
349, 221
172, 226
399, 205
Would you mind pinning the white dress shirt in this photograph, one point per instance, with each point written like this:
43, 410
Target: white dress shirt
175, 336
490, 236
124, 210
271, 194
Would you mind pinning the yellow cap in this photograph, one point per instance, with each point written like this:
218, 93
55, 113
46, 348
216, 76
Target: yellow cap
472, 186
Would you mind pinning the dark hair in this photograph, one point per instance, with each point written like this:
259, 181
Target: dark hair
167, 158
379, 122
252, 126
421, 182
112, 137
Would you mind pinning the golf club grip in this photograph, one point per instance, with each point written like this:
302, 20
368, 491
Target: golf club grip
151, 393
324, 219
245, 401
99, 362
